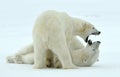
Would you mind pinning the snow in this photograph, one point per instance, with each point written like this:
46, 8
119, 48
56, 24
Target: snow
17, 20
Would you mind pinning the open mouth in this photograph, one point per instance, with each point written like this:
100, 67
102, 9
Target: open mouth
96, 33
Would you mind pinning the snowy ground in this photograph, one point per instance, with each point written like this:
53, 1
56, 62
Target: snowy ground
17, 19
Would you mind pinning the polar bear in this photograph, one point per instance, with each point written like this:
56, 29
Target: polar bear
85, 56
53, 31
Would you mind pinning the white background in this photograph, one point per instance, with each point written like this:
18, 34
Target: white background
17, 19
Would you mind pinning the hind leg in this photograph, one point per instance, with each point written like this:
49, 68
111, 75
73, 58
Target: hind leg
39, 52
64, 57
17, 58
61, 50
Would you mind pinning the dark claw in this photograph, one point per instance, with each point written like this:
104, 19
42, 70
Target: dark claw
86, 40
90, 42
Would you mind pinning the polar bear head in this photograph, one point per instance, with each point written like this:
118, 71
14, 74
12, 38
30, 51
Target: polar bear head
93, 46
86, 30
93, 52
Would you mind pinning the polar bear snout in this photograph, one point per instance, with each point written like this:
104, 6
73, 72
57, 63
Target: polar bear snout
96, 33
93, 33
96, 44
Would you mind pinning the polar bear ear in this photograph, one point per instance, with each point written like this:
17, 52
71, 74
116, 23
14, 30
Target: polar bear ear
90, 42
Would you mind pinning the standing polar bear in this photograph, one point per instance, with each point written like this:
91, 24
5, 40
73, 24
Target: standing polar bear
53, 31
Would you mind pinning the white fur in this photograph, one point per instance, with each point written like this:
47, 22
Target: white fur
84, 56
26, 54
54, 31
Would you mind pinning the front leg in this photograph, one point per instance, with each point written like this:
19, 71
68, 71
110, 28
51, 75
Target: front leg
39, 52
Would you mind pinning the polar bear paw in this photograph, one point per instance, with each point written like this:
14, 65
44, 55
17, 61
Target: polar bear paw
18, 59
35, 66
72, 66
10, 59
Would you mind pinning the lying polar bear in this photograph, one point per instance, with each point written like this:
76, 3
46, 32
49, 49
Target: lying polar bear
85, 56
25, 52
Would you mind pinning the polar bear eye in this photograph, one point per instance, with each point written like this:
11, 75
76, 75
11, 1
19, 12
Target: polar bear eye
93, 27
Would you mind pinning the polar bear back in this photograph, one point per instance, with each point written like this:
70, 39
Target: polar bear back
53, 20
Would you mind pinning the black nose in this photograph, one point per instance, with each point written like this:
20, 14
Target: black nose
98, 42
99, 33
